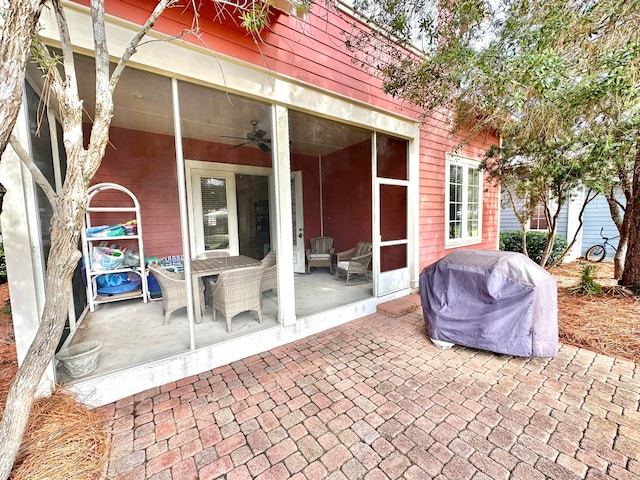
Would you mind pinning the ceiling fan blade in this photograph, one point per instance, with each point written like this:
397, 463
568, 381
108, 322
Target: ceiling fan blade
259, 133
229, 136
241, 145
264, 147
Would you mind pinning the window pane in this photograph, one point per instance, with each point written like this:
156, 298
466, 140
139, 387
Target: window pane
294, 224
391, 157
538, 219
473, 196
215, 218
464, 201
393, 212
393, 257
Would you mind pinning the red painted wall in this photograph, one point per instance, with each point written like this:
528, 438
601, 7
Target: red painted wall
346, 195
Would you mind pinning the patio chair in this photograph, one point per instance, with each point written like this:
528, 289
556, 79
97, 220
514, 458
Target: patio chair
319, 255
354, 261
237, 290
269, 273
204, 281
174, 290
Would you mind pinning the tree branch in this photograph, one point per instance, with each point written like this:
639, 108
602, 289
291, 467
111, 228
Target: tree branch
130, 50
71, 84
39, 178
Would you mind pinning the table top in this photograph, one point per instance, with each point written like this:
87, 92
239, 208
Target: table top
220, 264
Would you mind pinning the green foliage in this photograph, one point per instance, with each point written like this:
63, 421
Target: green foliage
587, 284
3, 265
511, 241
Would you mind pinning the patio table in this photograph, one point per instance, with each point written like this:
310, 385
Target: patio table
214, 266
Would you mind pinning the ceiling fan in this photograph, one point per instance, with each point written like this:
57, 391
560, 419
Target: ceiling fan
255, 137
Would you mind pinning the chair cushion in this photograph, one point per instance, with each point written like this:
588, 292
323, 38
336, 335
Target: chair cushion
343, 265
319, 256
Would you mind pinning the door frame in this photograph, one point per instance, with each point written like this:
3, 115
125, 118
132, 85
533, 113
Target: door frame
385, 283
299, 260
194, 170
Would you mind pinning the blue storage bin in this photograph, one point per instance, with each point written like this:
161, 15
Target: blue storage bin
154, 288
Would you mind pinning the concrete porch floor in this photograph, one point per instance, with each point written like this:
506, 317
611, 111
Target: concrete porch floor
133, 333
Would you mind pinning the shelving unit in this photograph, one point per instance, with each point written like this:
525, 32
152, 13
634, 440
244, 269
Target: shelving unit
93, 271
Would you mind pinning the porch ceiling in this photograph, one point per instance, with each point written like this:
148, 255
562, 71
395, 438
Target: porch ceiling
143, 102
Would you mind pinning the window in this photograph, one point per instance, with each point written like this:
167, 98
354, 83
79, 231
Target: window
463, 214
538, 219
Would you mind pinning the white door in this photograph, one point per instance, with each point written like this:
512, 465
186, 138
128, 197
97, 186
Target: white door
297, 219
391, 220
391, 267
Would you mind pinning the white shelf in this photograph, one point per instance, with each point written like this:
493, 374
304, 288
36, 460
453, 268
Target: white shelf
93, 297
96, 238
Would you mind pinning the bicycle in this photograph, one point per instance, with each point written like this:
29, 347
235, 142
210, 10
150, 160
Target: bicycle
598, 252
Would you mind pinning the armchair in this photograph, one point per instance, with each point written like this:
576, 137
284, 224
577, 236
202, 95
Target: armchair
354, 261
269, 273
237, 290
174, 290
319, 255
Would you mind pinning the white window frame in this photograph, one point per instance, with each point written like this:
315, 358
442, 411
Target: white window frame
467, 164
530, 228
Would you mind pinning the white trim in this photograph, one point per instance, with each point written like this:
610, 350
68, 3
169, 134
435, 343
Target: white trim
467, 163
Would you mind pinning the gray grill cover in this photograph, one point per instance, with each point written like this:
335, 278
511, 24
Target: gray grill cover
497, 301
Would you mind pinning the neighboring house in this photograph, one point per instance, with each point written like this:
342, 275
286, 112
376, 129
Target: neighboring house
242, 148
596, 217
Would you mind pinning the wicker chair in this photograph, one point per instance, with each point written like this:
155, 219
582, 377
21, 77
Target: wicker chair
205, 281
319, 255
237, 290
174, 291
354, 261
269, 274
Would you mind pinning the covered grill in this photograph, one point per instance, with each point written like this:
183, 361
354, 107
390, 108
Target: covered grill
497, 301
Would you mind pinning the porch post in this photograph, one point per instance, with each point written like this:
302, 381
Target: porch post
182, 199
284, 224
413, 205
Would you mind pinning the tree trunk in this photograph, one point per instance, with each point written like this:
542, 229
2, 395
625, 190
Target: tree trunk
631, 272
618, 258
622, 218
19, 28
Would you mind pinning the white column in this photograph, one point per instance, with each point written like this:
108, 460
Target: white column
283, 223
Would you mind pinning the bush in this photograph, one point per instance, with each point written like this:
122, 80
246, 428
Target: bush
511, 241
587, 284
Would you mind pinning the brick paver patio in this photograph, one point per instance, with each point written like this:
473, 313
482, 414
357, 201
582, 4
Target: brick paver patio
374, 399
